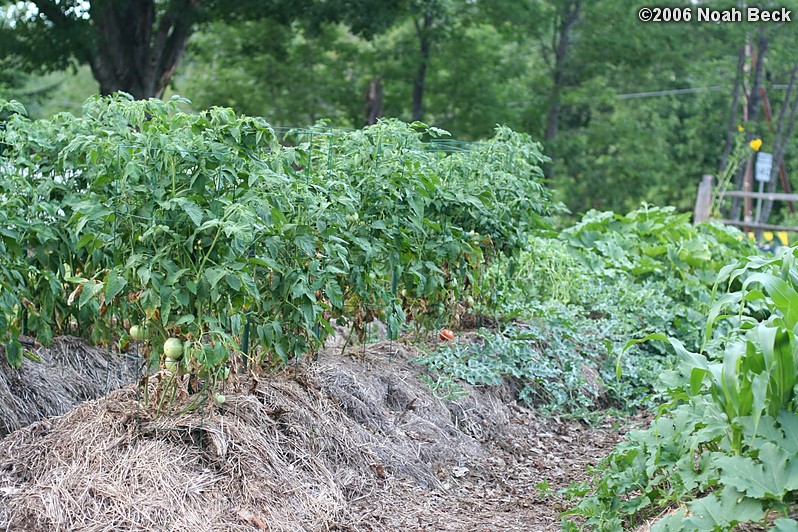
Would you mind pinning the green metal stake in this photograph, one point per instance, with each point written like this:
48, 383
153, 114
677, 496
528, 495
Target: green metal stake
245, 341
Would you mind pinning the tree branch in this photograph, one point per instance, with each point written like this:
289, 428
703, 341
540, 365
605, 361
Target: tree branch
170, 50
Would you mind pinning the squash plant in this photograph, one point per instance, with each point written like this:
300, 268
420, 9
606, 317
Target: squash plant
723, 450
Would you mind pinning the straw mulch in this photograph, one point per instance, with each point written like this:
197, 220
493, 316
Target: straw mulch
353, 442
69, 373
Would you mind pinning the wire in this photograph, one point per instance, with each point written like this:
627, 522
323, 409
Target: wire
692, 90
667, 92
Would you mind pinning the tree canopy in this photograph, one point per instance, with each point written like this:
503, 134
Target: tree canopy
136, 45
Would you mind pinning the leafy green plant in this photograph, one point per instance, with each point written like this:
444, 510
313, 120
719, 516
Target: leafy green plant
586, 290
656, 243
722, 450
444, 387
208, 228
545, 360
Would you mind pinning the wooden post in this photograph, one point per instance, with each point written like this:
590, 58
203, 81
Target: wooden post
703, 201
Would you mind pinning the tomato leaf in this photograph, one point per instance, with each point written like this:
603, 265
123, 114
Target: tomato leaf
89, 291
213, 275
334, 293
114, 283
14, 353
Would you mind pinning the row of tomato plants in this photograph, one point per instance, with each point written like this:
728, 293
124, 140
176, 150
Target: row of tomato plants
193, 225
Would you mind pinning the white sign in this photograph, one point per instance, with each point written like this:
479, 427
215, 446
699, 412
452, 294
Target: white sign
764, 161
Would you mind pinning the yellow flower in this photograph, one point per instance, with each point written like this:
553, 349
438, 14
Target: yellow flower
755, 144
740, 128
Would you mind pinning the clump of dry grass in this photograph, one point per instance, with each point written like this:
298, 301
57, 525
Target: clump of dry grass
69, 373
290, 452
105, 467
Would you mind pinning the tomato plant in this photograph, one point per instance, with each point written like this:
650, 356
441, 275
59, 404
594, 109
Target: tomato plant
194, 226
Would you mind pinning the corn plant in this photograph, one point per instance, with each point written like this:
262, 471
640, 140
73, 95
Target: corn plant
723, 449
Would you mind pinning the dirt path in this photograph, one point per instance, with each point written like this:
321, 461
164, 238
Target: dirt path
505, 494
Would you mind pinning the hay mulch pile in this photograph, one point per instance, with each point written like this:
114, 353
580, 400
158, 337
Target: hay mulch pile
348, 443
70, 372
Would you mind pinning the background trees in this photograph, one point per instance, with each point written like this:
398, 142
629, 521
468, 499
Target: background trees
603, 91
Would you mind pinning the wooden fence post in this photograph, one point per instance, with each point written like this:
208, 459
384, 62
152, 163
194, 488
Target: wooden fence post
703, 200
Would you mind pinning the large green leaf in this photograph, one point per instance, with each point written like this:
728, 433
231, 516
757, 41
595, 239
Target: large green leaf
782, 293
784, 525
14, 353
336, 296
788, 421
213, 275
723, 510
90, 290
773, 475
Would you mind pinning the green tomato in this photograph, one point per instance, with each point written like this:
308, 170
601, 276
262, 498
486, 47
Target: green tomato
173, 348
138, 333
171, 365
220, 399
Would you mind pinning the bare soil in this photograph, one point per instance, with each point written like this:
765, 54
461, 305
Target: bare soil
355, 441
505, 491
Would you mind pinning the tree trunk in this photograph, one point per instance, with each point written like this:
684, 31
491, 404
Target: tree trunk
374, 101
560, 44
755, 97
135, 52
422, 29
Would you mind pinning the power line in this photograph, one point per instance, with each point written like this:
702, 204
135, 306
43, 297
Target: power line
667, 92
691, 90
653, 94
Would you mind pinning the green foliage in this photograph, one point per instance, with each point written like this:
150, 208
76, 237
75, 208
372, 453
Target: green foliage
544, 359
303, 74
580, 295
294, 77
489, 63
444, 387
724, 447
661, 250
562, 357
192, 225
659, 244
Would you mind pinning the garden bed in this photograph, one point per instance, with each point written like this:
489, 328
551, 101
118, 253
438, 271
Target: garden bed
356, 441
